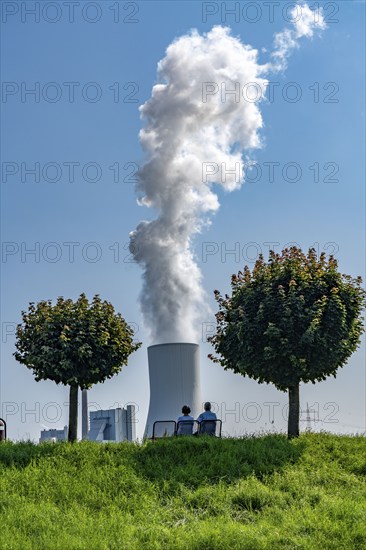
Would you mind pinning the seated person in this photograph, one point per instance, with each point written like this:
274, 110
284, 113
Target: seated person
185, 422
204, 418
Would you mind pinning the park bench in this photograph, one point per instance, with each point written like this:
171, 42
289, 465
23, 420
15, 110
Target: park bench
170, 428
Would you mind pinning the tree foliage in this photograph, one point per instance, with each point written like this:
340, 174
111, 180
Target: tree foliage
74, 343
293, 319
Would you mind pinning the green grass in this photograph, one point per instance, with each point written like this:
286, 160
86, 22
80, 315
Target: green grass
185, 493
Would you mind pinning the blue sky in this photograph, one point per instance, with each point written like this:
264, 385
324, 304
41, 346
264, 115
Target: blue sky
327, 135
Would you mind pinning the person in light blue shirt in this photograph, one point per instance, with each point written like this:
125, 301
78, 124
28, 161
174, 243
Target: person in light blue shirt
204, 418
185, 422
207, 414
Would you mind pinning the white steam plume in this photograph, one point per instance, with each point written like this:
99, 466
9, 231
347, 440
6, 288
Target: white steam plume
189, 123
305, 21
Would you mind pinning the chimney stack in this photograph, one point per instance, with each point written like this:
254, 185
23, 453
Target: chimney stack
174, 372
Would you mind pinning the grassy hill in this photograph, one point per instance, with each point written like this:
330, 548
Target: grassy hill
185, 493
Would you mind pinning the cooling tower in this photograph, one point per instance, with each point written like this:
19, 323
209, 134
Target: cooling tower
174, 372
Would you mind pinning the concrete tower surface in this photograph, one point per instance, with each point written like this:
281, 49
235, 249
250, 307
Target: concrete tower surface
174, 372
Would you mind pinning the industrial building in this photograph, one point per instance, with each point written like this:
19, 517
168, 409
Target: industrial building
113, 425
54, 435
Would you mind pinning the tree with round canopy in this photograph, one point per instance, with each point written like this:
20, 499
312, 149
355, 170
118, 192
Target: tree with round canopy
77, 344
293, 319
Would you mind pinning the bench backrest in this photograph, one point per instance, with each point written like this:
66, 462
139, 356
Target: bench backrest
187, 427
210, 427
164, 428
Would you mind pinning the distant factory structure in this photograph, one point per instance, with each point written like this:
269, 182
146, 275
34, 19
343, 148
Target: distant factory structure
113, 425
54, 435
105, 425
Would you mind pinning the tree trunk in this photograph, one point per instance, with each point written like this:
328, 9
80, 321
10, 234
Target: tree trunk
293, 411
73, 413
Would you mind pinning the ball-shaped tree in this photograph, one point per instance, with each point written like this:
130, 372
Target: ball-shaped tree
293, 319
77, 344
